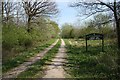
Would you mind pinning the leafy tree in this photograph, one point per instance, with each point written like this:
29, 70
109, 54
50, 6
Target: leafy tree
67, 31
55, 25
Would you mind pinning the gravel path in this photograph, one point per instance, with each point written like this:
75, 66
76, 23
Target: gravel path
16, 71
55, 70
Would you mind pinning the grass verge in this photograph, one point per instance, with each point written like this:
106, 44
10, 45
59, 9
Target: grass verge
37, 67
22, 57
91, 64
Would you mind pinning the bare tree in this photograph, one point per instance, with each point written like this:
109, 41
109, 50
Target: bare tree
8, 8
12, 11
97, 6
37, 8
19, 14
101, 20
91, 8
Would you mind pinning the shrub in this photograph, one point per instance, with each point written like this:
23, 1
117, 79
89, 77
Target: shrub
9, 38
14, 40
28, 42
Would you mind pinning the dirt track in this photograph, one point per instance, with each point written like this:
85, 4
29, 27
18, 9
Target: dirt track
16, 71
55, 70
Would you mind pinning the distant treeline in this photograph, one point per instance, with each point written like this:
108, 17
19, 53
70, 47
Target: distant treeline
91, 26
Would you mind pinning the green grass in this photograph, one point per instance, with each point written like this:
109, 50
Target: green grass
37, 67
22, 57
91, 64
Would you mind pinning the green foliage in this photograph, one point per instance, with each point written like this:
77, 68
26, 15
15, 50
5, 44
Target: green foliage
55, 27
16, 39
67, 31
13, 38
48, 28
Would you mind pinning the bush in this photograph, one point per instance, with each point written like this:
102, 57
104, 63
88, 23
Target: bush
9, 38
28, 42
25, 40
14, 40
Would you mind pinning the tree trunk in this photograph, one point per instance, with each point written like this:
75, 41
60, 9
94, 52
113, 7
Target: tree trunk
118, 32
117, 24
118, 36
2, 11
28, 24
17, 14
118, 42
